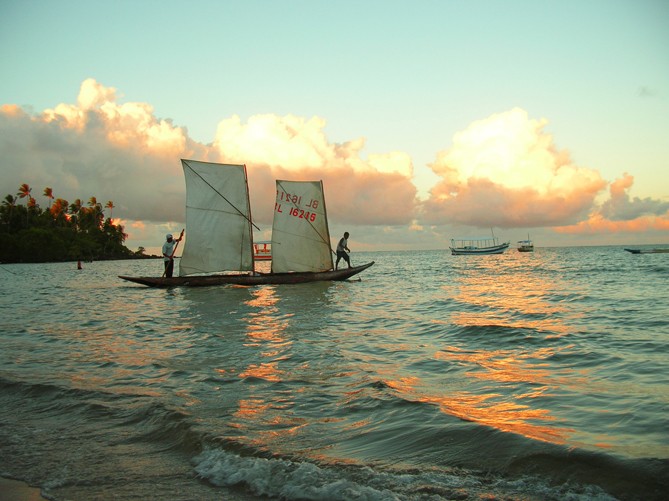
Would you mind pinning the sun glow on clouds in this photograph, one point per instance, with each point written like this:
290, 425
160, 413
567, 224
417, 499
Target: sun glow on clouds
291, 147
292, 142
127, 125
502, 171
505, 171
622, 214
121, 151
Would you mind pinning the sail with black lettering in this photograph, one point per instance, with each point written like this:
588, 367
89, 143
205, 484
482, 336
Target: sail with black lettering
300, 234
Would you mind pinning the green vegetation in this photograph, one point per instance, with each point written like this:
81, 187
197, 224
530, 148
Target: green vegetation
62, 232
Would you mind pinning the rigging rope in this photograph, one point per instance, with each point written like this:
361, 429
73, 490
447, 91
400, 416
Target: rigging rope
223, 197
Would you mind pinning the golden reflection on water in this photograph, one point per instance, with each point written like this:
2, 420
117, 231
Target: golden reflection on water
268, 372
250, 408
265, 330
264, 324
506, 367
513, 299
493, 409
271, 422
514, 381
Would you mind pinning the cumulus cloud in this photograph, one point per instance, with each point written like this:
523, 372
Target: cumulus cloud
124, 153
373, 191
622, 213
505, 171
622, 207
97, 148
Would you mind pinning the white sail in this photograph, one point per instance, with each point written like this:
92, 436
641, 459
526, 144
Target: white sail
300, 234
218, 219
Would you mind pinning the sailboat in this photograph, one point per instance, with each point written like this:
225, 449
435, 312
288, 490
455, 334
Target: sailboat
219, 244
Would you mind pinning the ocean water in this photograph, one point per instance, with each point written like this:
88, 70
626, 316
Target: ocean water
526, 376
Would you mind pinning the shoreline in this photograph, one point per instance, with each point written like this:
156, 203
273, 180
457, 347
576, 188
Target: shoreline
17, 490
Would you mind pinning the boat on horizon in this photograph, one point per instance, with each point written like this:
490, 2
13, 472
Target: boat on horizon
262, 250
219, 244
477, 246
526, 245
649, 251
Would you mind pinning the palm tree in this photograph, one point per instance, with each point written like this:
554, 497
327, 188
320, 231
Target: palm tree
24, 191
75, 208
110, 205
9, 201
94, 215
59, 209
48, 193
8, 205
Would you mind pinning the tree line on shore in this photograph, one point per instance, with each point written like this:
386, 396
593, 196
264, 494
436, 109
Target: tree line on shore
62, 232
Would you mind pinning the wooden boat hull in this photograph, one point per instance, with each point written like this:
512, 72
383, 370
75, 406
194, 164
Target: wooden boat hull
479, 251
248, 279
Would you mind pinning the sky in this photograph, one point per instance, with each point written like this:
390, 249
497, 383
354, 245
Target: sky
426, 120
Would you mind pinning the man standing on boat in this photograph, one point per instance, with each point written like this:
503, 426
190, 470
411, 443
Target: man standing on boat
168, 253
343, 250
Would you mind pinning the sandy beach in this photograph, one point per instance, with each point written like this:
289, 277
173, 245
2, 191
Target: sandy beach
15, 490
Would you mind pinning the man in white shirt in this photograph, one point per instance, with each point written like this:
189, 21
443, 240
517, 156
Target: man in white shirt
168, 253
343, 250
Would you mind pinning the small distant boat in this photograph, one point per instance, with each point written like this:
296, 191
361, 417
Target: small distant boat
477, 246
262, 251
525, 245
648, 251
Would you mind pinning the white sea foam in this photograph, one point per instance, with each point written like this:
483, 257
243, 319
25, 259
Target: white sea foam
307, 481
282, 478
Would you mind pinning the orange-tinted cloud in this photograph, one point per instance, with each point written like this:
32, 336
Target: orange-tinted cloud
129, 125
98, 148
598, 224
123, 152
373, 191
502, 171
623, 214
621, 207
505, 171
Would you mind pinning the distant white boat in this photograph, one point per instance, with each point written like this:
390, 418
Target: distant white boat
525, 245
477, 246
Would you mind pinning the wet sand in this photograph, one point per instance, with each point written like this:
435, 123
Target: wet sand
15, 490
